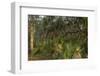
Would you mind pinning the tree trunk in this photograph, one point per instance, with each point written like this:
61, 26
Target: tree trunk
31, 38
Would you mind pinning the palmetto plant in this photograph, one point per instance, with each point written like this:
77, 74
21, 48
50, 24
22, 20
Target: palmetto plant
69, 49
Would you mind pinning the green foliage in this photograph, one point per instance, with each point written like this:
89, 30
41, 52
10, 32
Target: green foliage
58, 37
